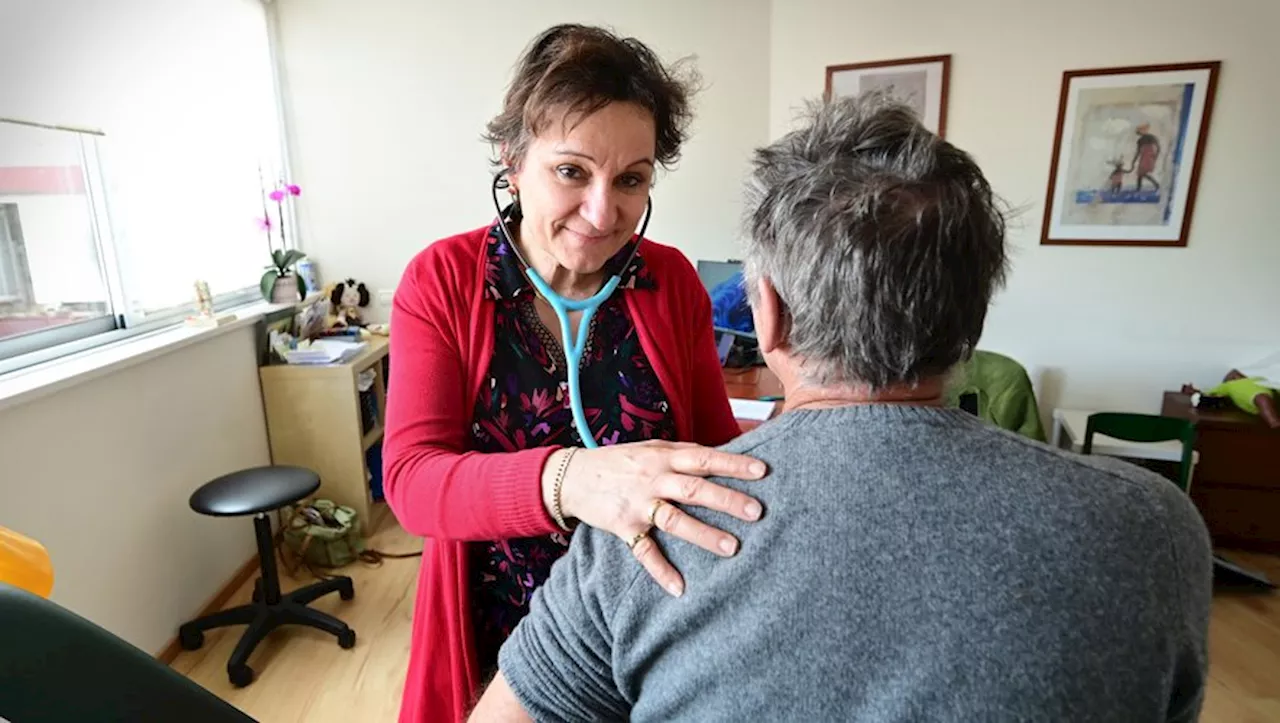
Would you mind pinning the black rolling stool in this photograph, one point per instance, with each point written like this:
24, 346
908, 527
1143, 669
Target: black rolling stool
256, 492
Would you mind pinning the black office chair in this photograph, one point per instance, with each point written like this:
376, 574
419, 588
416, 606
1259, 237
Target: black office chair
256, 492
56, 666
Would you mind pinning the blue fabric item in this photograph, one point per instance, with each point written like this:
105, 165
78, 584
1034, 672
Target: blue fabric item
729, 306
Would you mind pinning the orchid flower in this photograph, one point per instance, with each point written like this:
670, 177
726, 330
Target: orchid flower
282, 260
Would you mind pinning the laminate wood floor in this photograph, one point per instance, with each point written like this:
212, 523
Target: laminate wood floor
302, 674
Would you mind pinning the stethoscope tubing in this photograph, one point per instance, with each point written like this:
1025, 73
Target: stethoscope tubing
574, 348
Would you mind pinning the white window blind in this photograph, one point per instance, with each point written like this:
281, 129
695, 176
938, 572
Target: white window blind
187, 175
168, 187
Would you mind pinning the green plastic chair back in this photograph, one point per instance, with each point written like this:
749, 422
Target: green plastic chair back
57, 667
1145, 428
1001, 391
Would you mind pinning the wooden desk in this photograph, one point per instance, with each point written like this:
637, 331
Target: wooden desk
752, 383
1237, 482
316, 419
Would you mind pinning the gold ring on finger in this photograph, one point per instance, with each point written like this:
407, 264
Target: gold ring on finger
653, 512
636, 540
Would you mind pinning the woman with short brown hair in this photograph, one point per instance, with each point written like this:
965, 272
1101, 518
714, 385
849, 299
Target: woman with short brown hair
482, 455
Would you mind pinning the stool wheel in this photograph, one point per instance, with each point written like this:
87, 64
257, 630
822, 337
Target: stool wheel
347, 591
347, 639
257, 590
240, 675
189, 638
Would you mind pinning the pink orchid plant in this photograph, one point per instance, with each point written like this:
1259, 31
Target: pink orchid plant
283, 259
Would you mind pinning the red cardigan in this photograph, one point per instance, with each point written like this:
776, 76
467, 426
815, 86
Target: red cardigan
442, 340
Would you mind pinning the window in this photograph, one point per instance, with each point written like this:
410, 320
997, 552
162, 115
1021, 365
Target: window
15, 274
104, 233
53, 285
189, 180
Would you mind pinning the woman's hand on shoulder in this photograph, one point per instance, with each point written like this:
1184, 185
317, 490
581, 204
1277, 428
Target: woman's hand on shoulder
625, 488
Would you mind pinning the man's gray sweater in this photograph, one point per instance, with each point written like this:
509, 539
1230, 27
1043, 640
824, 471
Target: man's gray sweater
912, 564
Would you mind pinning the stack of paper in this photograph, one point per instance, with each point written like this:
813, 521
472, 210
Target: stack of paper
324, 351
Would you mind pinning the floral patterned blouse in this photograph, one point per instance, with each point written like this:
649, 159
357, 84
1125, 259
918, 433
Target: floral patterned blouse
524, 403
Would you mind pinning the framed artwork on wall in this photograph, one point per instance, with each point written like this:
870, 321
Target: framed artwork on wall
919, 82
1127, 154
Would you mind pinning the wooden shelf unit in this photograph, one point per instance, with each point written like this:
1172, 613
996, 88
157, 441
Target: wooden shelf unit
1236, 485
314, 420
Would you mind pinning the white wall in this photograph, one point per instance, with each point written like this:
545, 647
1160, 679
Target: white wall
1097, 327
387, 100
101, 473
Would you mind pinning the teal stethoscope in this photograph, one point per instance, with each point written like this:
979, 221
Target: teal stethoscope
573, 348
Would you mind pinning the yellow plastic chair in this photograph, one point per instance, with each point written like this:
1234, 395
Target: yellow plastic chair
24, 563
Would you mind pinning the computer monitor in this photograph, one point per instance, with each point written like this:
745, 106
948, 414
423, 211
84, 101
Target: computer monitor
735, 347
714, 273
724, 345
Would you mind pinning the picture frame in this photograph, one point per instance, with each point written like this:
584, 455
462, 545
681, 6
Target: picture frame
1127, 152
923, 83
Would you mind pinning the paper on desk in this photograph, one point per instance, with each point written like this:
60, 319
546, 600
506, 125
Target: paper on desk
751, 409
324, 351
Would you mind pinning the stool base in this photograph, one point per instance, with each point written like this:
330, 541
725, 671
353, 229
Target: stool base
269, 610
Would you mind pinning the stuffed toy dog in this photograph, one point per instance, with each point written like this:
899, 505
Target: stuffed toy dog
345, 301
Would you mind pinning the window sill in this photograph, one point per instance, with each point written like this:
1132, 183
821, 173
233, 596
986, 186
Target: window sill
24, 385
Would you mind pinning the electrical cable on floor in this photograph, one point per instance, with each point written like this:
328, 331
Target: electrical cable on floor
370, 557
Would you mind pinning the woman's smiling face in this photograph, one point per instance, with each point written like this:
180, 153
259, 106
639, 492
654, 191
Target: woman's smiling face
584, 184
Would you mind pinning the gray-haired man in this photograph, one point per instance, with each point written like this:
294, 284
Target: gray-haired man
912, 563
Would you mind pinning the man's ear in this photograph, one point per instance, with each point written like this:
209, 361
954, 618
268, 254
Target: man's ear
768, 316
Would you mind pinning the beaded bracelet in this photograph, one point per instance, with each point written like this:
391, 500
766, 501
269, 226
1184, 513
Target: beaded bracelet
556, 512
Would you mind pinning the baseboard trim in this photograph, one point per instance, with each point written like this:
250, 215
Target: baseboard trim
216, 603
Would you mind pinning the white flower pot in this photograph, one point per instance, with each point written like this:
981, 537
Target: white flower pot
285, 291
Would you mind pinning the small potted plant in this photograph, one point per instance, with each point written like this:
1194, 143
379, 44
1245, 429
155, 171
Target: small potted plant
281, 283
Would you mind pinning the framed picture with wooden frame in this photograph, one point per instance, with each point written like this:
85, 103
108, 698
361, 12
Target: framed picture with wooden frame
921, 83
1126, 154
